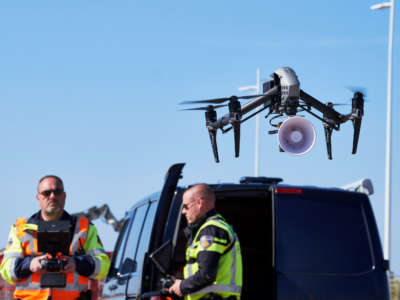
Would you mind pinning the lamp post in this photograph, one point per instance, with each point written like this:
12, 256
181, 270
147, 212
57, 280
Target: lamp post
255, 88
388, 130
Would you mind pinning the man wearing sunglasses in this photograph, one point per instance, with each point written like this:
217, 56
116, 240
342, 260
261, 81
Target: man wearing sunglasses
213, 267
23, 264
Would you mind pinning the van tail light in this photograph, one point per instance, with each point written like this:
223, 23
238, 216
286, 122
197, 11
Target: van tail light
161, 298
282, 190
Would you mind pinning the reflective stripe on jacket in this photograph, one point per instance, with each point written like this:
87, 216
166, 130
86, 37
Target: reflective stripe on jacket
228, 281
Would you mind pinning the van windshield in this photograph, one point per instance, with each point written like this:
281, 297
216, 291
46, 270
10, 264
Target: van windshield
323, 232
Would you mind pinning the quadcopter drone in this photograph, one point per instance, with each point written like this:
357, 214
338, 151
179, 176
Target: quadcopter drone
284, 99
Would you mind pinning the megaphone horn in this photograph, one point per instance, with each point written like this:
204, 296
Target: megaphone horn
296, 135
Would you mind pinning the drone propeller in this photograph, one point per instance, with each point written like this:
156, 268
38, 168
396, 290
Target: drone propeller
337, 104
208, 107
220, 100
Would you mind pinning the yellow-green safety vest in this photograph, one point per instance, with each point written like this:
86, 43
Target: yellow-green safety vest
228, 281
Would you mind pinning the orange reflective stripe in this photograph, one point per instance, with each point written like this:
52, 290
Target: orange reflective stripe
35, 278
26, 248
63, 295
84, 227
84, 224
82, 242
70, 278
35, 245
32, 295
22, 280
20, 227
83, 280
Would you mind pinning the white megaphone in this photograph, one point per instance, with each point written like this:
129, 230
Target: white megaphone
296, 136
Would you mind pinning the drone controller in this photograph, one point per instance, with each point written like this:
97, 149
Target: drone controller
53, 264
53, 238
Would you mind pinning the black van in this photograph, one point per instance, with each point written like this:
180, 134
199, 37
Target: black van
298, 242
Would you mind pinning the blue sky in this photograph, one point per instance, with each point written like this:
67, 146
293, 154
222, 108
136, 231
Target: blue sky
89, 90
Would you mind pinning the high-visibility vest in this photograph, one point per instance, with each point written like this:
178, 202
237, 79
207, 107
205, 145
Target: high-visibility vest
228, 281
29, 288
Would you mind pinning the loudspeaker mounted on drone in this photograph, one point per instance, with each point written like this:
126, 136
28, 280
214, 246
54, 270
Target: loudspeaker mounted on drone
296, 136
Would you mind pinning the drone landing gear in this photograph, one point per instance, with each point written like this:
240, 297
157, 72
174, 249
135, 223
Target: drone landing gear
213, 139
328, 138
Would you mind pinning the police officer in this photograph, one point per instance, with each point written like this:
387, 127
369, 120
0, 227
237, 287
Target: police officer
22, 265
213, 267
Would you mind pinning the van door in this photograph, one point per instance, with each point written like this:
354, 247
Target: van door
166, 197
126, 267
112, 289
128, 272
327, 246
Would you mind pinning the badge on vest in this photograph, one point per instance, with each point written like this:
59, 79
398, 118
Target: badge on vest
206, 241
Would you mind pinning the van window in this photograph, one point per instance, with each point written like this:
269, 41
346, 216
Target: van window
142, 248
118, 251
131, 244
145, 236
322, 233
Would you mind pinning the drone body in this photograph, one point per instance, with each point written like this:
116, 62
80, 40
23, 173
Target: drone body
284, 98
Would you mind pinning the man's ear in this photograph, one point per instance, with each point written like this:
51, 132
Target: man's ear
201, 202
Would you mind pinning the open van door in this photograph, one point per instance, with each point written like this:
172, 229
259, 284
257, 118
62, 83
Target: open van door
130, 269
167, 194
152, 233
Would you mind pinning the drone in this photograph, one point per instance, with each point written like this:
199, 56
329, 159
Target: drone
283, 98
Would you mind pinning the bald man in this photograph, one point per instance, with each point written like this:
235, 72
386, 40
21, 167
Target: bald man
213, 267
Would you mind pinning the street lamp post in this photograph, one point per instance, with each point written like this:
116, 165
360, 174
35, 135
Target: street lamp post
256, 89
388, 130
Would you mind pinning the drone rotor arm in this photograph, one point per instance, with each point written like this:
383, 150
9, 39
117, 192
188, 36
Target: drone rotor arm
329, 112
260, 100
225, 119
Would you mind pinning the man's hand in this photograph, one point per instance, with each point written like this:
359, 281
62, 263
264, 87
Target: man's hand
71, 265
175, 288
35, 265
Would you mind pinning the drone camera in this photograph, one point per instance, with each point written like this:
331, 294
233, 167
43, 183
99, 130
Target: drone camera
268, 85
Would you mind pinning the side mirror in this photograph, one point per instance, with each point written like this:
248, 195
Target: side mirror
129, 266
162, 257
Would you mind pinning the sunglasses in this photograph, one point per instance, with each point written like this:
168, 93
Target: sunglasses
47, 193
187, 206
